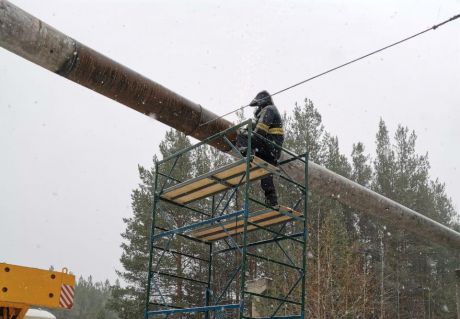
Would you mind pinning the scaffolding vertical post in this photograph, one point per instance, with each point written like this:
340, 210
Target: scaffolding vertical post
245, 216
305, 238
208, 288
152, 233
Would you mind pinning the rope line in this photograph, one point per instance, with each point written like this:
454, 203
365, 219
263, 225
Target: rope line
341, 66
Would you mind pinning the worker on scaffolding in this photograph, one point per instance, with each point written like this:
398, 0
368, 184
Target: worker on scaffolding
267, 140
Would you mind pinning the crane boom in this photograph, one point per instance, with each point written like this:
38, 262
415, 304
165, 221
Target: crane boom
36, 41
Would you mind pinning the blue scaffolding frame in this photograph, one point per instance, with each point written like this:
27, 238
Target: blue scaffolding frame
227, 230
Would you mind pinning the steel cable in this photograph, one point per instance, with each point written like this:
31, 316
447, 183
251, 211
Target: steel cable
341, 66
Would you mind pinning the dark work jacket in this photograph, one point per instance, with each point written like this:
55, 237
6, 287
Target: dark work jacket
269, 125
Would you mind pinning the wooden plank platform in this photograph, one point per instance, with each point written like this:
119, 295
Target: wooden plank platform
234, 227
217, 181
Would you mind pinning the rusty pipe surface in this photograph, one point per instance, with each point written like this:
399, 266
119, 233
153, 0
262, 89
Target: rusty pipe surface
41, 44
38, 42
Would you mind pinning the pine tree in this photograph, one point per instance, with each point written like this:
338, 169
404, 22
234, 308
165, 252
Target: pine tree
362, 174
412, 268
341, 286
384, 163
335, 161
305, 131
338, 281
129, 300
361, 171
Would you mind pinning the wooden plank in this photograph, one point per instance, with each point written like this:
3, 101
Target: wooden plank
253, 175
207, 185
240, 169
236, 223
193, 180
239, 230
188, 188
216, 188
236, 227
201, 193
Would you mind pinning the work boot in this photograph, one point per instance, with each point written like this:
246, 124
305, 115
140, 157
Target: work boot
243, 150
271, 199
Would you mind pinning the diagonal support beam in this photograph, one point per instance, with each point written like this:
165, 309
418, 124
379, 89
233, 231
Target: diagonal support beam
34, 40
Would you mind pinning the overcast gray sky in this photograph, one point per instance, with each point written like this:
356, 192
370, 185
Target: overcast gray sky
69, 156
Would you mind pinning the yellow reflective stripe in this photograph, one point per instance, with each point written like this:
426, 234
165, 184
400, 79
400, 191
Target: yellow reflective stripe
263, 127
276, 131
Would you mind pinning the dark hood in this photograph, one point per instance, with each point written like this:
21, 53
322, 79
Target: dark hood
262, 99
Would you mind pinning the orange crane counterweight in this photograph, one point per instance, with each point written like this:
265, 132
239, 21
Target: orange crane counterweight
22, 287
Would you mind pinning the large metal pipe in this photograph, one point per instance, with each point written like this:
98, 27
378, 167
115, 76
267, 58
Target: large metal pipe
41, 44
36, 41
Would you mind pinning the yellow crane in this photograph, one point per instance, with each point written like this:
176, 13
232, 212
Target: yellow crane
23, 287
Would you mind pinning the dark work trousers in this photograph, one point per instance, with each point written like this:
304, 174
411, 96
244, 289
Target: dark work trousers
268, 153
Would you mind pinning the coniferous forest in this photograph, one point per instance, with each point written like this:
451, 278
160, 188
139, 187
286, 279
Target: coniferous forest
357, 266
